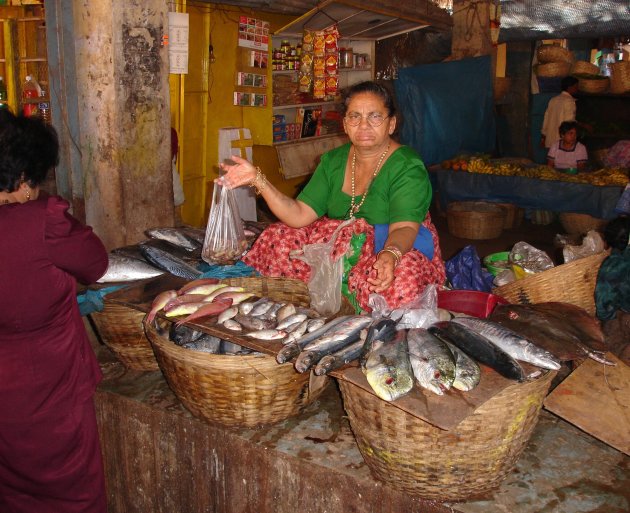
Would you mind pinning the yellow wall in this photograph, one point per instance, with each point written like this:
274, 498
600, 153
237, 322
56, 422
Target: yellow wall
207, 105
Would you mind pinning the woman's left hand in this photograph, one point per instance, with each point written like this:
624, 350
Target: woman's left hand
384, 266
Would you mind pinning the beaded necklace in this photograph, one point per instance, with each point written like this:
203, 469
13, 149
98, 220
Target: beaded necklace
355, 208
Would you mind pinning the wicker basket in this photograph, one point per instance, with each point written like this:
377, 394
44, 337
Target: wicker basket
120, 329
411, 455
477, 220
580, 224
243, 391
513, 215
593, 85
567, 283
620, 77
584, 67
553, 69
553, 53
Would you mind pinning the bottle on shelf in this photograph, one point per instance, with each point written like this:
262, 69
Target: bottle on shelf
30, 96
44, 106
3, 95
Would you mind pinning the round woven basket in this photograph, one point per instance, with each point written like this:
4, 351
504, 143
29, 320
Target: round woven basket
120, 329
513, 215
477, 220
553, 53
411, 455
580, 224
620, 77
553, 69
593, 85
567, 283
584, 67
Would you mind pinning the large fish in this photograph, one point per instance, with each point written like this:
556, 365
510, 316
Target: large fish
168, 262
341, 335
205, 344
208, 310
467, 371
387, 367
174, 236
339, 358
517, 346
293, 344
192, 258
184, 289
478, 347
123, 268
431, 360
183, 334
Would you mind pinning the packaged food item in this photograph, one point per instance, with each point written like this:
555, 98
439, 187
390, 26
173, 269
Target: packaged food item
305, 81
319, 43
319, 87
319, 66
331, 63
332, 85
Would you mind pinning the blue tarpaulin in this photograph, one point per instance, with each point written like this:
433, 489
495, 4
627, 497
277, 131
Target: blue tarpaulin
447, 108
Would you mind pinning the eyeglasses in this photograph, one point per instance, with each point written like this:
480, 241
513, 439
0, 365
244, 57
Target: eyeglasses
373, 118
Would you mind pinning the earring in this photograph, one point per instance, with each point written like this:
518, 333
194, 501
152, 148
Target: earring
28, 194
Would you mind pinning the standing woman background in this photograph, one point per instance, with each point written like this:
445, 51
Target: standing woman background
50, 459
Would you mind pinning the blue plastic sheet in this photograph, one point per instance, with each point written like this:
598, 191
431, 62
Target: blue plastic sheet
239, 269
92, 300
448, 108
465, 272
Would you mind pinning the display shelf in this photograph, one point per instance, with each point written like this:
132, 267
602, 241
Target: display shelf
310, 104
306, 139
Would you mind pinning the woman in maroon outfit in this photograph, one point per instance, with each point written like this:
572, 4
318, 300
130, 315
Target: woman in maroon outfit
50, 459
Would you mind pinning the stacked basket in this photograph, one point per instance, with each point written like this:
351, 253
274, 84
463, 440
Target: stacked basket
553, 61
620, 77
476, 220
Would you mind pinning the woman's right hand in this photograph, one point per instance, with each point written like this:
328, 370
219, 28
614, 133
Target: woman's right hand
242, 172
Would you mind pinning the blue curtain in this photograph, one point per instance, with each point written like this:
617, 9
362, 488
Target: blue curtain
448, 108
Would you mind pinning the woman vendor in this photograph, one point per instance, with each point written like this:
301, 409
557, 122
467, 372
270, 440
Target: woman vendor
372, 179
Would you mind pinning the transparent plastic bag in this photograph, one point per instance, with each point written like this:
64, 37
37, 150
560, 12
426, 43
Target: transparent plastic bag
592, 244
526, 259
422, 312
324, 284
225, 240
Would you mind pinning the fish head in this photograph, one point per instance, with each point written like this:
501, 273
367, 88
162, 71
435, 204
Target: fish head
389, 382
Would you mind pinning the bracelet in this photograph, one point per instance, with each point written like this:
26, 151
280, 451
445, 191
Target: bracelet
393, 250
260, 182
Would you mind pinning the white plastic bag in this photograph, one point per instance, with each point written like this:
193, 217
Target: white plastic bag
225, 239
422, 312
592, 244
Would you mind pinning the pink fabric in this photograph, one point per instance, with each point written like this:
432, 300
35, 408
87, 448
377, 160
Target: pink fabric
270, 257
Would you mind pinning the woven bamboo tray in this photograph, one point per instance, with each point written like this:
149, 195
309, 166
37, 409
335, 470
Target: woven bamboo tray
120, 329
235, 390
477, 220
580, 224
411, 455
593, 85
567, 283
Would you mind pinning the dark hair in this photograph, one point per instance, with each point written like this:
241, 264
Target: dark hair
29, 148
369, 87
568, 82
565, 126
616, 233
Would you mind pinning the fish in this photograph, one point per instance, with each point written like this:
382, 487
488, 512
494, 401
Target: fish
205, 344
431, 360
297, 329
270, 334
235, 296
245, 307
387, 367
291, 319
123, 268
250, 322
293, 344
202, 288
467, 371
230, 313
261, 307
174, 236
221, 290
228, 347
208, 310
339, 358
517, 346
169, 263
341, 335
285, 311
383, 329
194, 283
232, 325
315, 324
160, 302
478, 347
183, 299
181, 335
192, 258
196, 234
183, 309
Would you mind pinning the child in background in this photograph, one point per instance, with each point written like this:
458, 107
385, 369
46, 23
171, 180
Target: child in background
567, 153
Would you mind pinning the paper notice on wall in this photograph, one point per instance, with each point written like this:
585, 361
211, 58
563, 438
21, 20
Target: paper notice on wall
178, 25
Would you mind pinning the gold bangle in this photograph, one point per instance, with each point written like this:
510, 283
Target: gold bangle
391, 252
260, 182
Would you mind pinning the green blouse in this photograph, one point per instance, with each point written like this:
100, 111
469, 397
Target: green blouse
400, 192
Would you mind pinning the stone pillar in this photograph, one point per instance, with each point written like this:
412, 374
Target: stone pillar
123, 117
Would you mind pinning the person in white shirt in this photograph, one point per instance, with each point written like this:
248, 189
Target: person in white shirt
567, 152
560, 108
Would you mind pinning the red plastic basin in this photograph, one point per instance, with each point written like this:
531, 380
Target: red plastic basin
469, 302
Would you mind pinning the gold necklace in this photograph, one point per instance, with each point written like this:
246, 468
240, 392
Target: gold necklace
355, 208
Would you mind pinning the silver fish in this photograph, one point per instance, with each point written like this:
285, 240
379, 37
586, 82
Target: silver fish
387, 367
123, 268
232, 325
284, 312
291, 319
339, 358
249, 322
267, 334
246, 307
297, 329
169, 262
183, 334
293, 346
315, 324
262, 306
174, 236
228, 347
205, 344
227, 314
467, 371
431, 360
517, 346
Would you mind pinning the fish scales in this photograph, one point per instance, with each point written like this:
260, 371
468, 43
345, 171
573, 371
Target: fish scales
168, 262
339, 358
431, 360
467, 371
